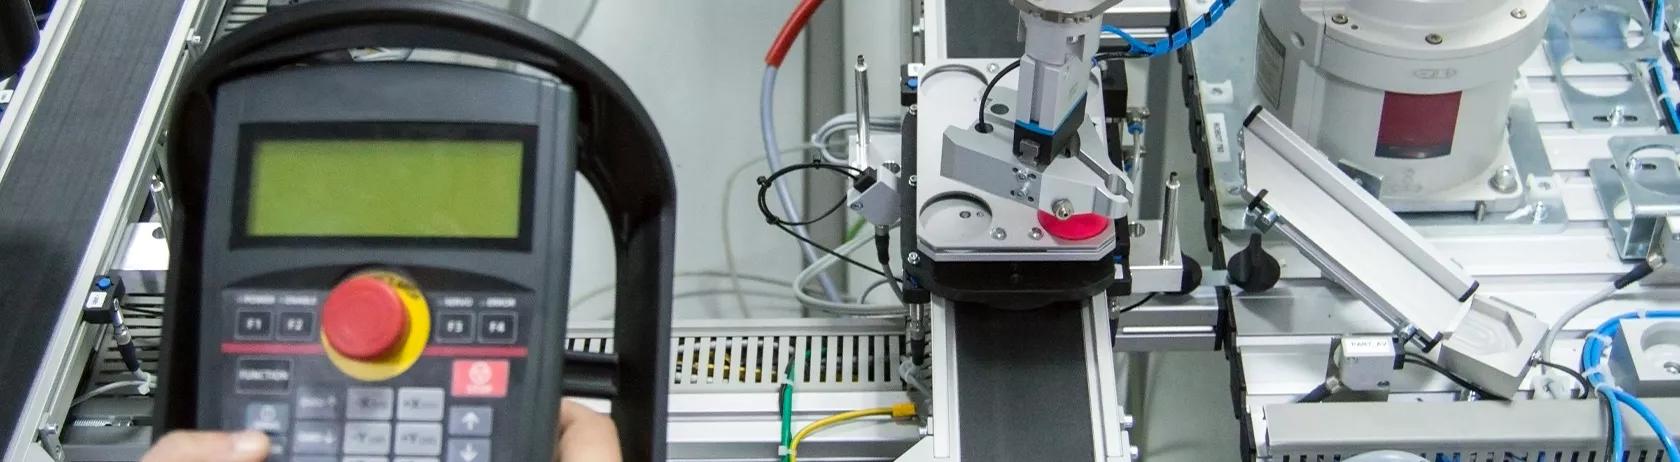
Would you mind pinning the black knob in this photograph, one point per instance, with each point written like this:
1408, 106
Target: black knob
1192, 277
1253, 269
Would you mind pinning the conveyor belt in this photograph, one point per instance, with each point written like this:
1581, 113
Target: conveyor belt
1022, 376
62, 172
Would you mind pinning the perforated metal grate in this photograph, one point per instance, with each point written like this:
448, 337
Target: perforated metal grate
866, 360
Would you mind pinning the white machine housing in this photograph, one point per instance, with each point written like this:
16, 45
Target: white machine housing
1411, 93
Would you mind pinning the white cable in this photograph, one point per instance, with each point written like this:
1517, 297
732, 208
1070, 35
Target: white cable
1563, 321
143, 385
845, 122
583, 24
821, 266
609, 288
713, 292
767, 130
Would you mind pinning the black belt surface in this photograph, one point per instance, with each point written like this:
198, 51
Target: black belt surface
1022, 383
62, 171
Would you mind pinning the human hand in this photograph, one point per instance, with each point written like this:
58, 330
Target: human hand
586, 436
201, 446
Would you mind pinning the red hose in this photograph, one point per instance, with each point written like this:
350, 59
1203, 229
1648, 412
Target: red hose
790, 32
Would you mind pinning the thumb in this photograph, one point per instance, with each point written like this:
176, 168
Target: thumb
193, 446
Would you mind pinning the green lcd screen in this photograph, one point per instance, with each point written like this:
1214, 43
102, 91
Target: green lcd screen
385, 188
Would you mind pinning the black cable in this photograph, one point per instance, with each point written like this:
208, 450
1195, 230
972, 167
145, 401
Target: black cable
1134, 306
883, 252
764, 184
1413, 358
1609, 427
985, 96
1586, 385
1317, 394
829, 251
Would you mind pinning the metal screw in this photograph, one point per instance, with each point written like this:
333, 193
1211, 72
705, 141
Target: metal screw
195, 39
1505, 180
1672, 367
857, 206
157, 184
1540, 212
1519, 13
912, 180
913, 109
1128, 421
1036, 234
993, 67
1020, 176
1062, 208
1434, 39
1137, 454
1138, 230
999, 234
1339, 18
914, 258
891, 166
1383, 384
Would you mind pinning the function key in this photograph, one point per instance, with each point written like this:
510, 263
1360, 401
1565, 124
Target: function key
315, 438
415, 459
253, 325
471, 420
364, 459
269, 417
469, 450
297, 326
368, 403
317, 403
420, 404
455, 327
263, 376
367, 438
498, 327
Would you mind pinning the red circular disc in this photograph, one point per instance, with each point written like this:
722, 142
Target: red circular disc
363, 317
1075, 228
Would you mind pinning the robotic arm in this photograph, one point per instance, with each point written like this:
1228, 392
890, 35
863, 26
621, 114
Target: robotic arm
1061, 39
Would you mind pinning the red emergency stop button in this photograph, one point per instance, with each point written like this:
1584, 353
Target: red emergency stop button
363, 318
1075, 228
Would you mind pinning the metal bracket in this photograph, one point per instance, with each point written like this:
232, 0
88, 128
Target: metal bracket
49, 436
1630, 108
1639, 186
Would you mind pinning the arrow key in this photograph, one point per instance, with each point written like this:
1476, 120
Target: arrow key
471, 420
469, 450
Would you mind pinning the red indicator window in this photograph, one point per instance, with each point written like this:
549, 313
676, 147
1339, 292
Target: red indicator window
1418, 126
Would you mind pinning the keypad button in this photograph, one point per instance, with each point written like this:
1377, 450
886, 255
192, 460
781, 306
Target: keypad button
420, 404
253, 325
471, 420
317, 403
296, 326
469, 450
366, 459
315, 438
310, 459
263, 376
276, 446
269, 417
418, 439
455, 327
479, 378
368, 403
415, 459
367, 438
498, 327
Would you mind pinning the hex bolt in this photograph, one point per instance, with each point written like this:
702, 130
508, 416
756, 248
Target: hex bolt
1063, 208
999, 234
1505, 180
914, 258
1339, 18
1434, 39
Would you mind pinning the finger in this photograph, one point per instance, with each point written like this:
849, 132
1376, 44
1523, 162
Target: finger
586, 435
190, 446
